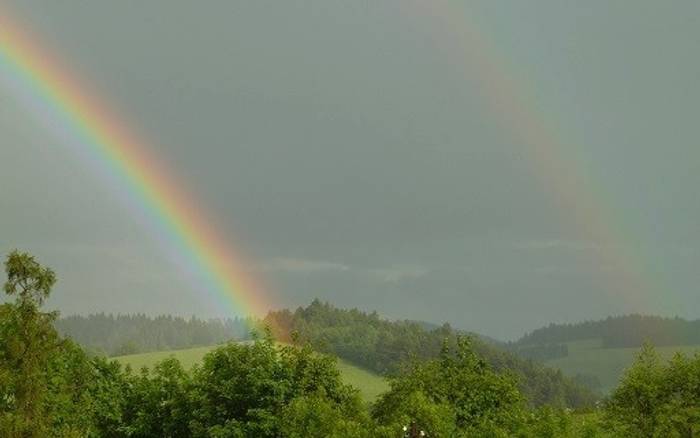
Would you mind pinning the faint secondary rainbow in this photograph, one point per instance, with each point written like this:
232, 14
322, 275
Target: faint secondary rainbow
581, 204
58, 99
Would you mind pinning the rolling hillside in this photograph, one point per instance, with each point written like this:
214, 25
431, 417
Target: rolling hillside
385, 346
369, 384
599, 351
589, 357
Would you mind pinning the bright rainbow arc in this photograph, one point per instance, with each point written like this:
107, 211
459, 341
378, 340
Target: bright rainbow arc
49, 86
463, 41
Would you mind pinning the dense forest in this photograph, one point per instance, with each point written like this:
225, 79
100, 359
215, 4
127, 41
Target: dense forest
619, 331
116, 335
50, 387
387, 346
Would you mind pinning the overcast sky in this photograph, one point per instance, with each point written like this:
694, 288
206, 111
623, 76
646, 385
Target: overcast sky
355, 151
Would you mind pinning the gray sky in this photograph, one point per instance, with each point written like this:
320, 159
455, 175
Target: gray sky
352, 148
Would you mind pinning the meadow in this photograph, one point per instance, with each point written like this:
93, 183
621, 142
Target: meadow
369, 384
585, 357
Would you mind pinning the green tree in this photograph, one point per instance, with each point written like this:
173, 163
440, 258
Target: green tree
656, 399
246, 390
27, 342
458, 388
635, 406
48, 385
315, 416
157, 402
435, 418
682, 385
110, 392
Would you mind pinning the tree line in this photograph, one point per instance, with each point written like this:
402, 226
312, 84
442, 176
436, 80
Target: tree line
620, 331
116, 335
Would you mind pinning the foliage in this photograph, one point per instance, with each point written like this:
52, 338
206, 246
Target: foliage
315, 415
49, 386
28, 343
245, 388
457, 391
157, 402
368, 383
656, 399
385, 346
461, 395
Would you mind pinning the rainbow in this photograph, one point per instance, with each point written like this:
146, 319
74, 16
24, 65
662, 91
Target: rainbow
58, 99
56, 96
582, 205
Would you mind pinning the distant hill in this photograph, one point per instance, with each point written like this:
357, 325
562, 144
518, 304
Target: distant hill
384, 346
601, 367
598, 352
429, 326
620, 332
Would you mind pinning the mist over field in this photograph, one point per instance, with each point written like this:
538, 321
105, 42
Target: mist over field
353, 152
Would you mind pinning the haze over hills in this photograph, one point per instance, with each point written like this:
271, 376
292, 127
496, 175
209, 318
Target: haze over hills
600, 351
593, 353
620, 331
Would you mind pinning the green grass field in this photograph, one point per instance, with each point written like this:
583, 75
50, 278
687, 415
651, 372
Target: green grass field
369, 384
187, 357
585, 357
608, 364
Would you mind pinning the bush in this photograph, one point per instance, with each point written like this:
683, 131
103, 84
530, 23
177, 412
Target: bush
656, 399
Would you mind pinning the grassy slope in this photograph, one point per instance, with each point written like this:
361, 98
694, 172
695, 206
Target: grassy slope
608, 364
369, 384
186, 357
